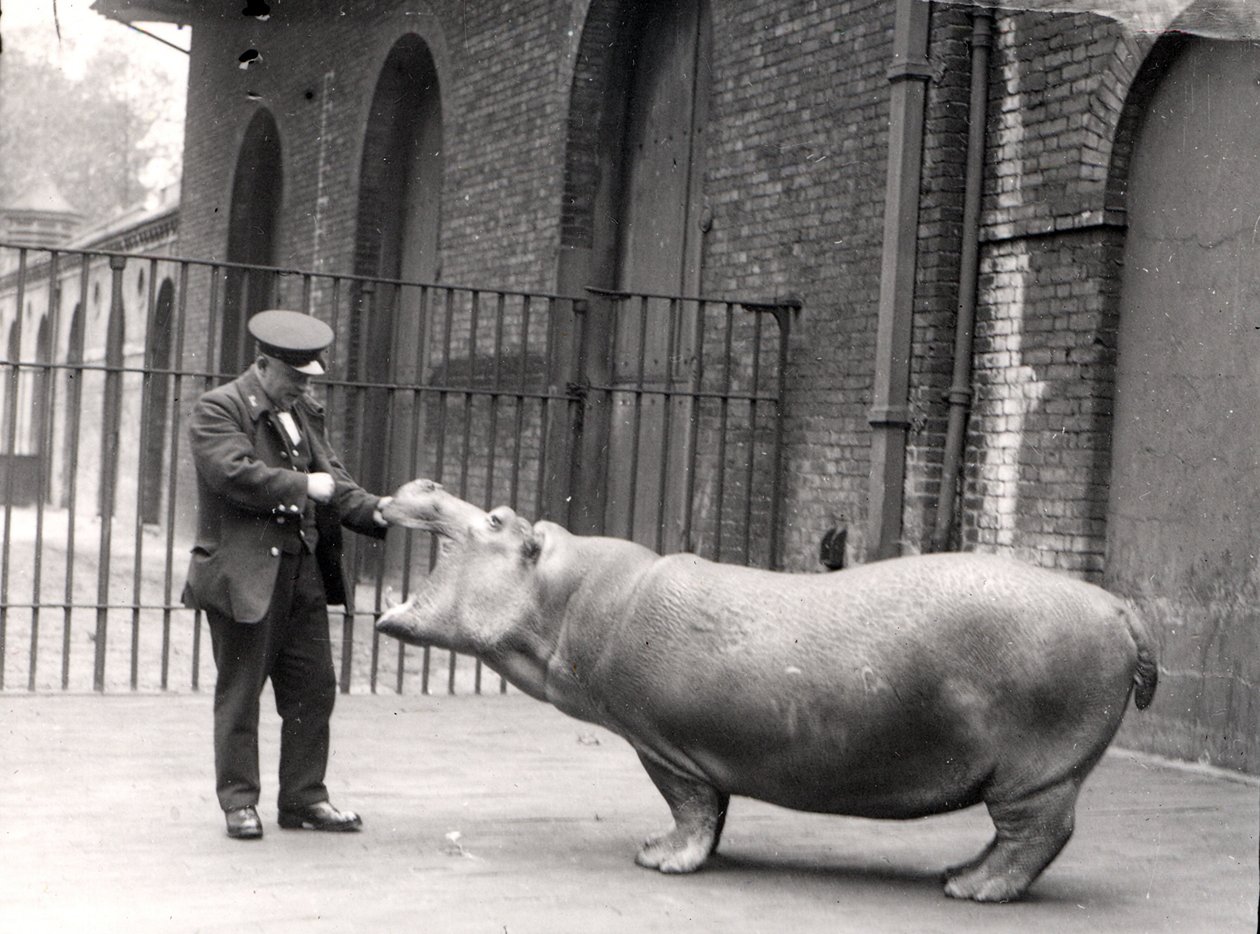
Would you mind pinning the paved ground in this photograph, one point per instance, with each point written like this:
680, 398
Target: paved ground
498, 814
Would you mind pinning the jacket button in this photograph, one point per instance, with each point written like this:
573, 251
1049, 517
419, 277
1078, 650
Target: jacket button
280, 520
275, 552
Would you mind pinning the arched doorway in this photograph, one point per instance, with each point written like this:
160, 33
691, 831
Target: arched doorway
1184, 498
646, 148
256, 194
399, 223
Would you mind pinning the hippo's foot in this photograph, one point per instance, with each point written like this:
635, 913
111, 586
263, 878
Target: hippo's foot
699, 812
676, 850
1030, 833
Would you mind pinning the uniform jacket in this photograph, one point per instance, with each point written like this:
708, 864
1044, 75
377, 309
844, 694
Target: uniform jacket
251, 500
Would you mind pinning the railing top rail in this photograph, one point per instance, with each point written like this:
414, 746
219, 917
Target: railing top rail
752, 304
281, 270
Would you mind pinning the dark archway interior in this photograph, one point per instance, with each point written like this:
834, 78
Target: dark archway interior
256, 194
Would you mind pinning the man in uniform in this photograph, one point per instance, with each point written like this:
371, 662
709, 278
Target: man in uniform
272, 496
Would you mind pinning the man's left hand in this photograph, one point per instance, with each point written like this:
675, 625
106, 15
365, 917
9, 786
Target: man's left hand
378, 514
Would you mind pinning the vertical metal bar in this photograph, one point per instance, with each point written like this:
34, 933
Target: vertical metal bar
636, 432
612, 374
469, 397
109, 470
667, 405
180, 311
577, 397
74, 400
43, 451
724, 415
391, 402
750, 475
449, 314
469, 394
495, 389
361, 400
545, 413
695, 412
213, 366
340, 363
213, 344
514, 481
492, 447
10, 448
782, 317
146, 406
413, 457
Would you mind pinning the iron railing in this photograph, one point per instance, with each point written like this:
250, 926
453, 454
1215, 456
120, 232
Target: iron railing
658, 418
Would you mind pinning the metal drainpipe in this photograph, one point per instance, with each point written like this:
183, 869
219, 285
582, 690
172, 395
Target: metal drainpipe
968, 272
889, 415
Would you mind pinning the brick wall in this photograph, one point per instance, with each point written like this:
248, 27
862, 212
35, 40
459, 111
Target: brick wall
796, 163
1038, 460
1035, 482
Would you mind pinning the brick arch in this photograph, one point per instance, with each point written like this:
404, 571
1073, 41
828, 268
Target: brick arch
597, 122
1137, 66
402, 174
409, 71
257, 192
598, 59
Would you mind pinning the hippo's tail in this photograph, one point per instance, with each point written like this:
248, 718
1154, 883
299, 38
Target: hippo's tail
1146, 671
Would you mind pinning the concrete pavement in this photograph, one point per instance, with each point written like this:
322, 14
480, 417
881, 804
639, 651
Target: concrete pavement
497, 814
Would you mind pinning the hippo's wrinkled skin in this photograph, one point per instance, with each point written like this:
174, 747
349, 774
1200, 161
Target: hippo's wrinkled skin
897, 689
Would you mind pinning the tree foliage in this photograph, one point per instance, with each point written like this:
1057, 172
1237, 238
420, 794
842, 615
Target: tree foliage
106, 140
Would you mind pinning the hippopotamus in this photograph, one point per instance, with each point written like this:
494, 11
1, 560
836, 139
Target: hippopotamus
894, 689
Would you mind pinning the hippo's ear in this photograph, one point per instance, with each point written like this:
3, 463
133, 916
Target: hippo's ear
531, 548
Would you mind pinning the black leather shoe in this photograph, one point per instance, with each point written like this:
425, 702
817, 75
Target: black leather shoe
243, 823
321, 816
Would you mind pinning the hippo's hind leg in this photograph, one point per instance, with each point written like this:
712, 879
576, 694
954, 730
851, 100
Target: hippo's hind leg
1031, 831
699, 812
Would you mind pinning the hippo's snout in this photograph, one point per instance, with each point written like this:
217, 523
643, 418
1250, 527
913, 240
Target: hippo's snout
412, 503
424, 504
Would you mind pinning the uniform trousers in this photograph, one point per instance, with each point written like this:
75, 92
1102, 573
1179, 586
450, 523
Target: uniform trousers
291, 646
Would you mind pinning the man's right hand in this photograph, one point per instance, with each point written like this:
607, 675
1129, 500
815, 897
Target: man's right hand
320, 487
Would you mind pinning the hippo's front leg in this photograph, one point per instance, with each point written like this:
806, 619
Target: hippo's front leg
699, 811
